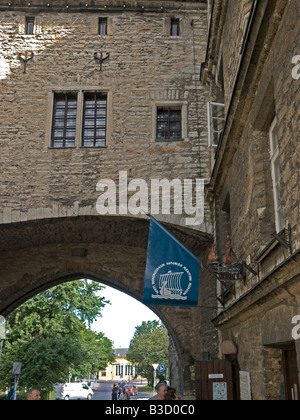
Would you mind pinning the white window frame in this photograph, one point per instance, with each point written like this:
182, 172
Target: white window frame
275, 171
212, 133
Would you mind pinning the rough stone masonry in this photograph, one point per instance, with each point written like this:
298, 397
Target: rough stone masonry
50, 229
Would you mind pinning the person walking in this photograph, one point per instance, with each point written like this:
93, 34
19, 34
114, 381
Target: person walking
114, 392
124, 395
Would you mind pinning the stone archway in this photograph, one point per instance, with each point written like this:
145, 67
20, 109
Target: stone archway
36, 255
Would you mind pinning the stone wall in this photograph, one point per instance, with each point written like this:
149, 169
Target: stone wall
146, 68
50, 230
242, 175
258, 311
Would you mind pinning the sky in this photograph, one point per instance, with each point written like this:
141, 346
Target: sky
123, 308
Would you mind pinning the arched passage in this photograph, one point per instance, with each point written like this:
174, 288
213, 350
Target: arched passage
38, 254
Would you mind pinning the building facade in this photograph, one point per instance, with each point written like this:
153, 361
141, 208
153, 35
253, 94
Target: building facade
252, 71
95, 96
113, 87
120, 370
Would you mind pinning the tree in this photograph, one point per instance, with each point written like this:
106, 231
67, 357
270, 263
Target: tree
145, 327
97, 350
50, 335
149, 345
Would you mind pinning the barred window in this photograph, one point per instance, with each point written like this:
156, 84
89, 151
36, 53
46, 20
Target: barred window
64, 120
94, 120
169, 126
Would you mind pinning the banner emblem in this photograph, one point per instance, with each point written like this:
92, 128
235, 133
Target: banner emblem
169, 285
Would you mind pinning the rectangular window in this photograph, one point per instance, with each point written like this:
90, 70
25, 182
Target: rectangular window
29, 26
102, 26
169, 126
275, 167
175, 27
216, 120
117, 370
94, 120
64, 120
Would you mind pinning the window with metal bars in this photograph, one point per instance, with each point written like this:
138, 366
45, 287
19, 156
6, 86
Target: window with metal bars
94, 120
169, 126
64, 120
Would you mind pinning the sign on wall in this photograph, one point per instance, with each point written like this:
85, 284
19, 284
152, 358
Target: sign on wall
245, 386
219, 391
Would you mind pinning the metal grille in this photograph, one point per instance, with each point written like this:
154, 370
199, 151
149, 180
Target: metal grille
94, 120
168, 124
64, 120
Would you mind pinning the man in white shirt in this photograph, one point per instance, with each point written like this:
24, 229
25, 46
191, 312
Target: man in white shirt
161, 390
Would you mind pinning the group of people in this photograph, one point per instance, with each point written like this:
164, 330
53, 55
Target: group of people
120, 393
163, 392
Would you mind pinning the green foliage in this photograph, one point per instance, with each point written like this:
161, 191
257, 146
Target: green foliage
145, 327
149, 345
50, 337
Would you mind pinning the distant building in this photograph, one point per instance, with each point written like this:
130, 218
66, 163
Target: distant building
120, 370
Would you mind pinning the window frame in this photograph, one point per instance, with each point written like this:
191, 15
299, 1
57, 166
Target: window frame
29, 23
168, 131
97, 96
79, 93
210, 119
175, 24
276, 174
64, 117
101, 21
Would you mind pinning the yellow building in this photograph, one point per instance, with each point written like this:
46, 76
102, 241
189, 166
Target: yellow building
120, 370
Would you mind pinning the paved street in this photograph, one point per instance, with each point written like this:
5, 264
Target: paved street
103, 392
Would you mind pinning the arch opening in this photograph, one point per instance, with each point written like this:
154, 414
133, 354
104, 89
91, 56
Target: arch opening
39, 254
75, 297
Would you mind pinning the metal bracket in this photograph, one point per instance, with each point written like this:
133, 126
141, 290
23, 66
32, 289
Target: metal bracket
25, 59
101, 58
284, 242
250, 269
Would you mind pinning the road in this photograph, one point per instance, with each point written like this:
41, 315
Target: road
103, 392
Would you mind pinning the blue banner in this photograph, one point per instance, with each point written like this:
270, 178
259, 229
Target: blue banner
172, 270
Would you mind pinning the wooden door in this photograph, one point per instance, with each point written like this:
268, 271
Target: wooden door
214, 380
291, 373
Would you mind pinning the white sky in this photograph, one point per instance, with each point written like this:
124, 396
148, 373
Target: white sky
119, 319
